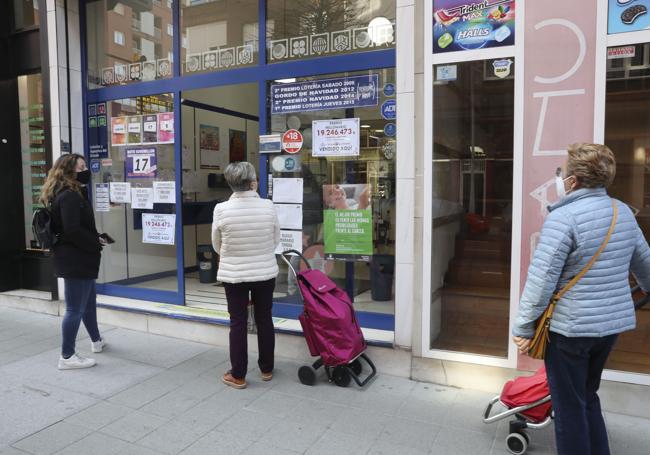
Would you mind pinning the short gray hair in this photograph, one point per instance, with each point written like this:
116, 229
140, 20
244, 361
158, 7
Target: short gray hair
240, 175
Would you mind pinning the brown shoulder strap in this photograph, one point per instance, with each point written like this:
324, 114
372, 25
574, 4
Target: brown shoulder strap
582, 273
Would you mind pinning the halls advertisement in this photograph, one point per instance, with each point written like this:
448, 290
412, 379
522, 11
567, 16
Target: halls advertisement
461, 25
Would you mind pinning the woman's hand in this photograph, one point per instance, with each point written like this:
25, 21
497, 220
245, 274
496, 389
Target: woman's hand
102, 241
523, 344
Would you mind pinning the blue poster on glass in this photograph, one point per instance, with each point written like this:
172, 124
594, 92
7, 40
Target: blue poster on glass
461, 25
141, 163
628, 16
324, 94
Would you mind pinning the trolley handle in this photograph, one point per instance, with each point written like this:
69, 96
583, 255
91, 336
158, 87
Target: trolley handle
285, 257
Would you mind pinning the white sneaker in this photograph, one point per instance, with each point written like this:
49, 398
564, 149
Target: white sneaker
97, 346
75, 362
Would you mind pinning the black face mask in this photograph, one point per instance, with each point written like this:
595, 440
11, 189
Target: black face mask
83, 177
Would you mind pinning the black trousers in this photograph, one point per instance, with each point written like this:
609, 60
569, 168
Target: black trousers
574, 367
261, 294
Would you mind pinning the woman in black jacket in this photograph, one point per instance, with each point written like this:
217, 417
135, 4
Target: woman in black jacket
77, 252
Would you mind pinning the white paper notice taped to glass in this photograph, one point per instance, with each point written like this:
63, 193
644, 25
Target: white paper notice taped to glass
142, 198
335, 137
164, 192
288, 190
102, 202
158, 228
289, 215
120, 192
289, 240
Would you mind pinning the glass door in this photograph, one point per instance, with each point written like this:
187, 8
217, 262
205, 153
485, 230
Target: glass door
133, 164
472, 207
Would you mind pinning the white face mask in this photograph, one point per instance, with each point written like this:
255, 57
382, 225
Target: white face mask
559, 186
559, 183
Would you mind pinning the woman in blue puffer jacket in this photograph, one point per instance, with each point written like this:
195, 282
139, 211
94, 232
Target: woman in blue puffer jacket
589, 317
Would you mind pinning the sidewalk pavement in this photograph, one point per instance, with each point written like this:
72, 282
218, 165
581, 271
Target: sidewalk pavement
156, 395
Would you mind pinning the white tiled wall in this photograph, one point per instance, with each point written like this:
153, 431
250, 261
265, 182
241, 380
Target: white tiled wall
405, 173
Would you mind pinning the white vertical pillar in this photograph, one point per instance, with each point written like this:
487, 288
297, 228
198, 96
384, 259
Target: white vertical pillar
405, 173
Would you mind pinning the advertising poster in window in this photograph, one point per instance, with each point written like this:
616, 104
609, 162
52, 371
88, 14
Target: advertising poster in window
347, 221
141, 163
237, 146
325, 94
335, 137
158, 228
149, 129
461, 25
166, 128
118, 131
627, 16
210, 147
134, 130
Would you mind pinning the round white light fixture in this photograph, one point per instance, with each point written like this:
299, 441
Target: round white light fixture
380, 30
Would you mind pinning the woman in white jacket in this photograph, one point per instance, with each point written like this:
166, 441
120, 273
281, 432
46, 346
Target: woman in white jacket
245, 233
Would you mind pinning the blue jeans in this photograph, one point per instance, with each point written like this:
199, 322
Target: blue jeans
574, 367
80, 304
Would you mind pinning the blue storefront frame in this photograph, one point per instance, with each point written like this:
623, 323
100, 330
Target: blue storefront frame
262, 74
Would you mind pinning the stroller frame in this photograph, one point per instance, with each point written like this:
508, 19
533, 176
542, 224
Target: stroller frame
517, 440
341, 375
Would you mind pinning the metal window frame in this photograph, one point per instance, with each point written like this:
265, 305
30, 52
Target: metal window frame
262, 73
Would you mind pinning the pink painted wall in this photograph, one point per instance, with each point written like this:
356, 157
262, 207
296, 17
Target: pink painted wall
559, 75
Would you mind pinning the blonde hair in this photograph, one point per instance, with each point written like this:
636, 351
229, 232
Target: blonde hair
593, 165
63, 175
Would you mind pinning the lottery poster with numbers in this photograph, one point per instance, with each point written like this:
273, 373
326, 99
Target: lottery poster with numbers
166, 128
141, 163
338, 137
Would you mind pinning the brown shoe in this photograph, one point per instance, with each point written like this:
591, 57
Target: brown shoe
267, 376
232, 381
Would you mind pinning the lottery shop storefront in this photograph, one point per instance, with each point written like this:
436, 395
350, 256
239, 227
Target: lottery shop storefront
305, 91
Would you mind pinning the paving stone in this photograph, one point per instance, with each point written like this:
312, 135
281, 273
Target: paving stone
144, 392
382, 447
109, 376
172, 404
249, 424
410, 433
275, 403
627, 434
170, 438
205, 416
52, 439
134, 426
361, 422
96, 444
218, 443
31, 407
151, 349
261, 448
426, 411
297, 436
454, 441
316, 411
334, 442
99, 415
11, 451
376, 402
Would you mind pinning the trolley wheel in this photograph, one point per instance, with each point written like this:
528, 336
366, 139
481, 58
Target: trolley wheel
517, 443
307, 375
341, 376
356, 367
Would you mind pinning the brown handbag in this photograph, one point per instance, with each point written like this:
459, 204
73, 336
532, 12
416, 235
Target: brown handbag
538, 343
